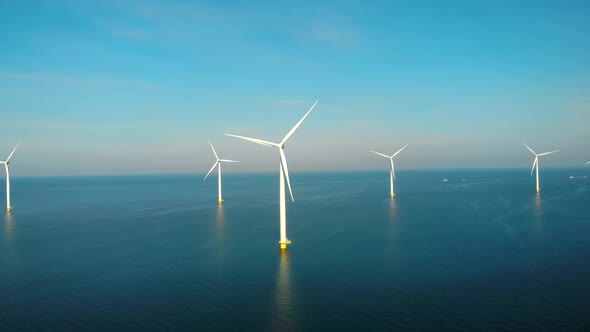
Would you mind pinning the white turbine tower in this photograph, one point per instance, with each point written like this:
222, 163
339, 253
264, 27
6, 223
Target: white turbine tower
218, 164
283, 174
536, 162
391, 168
6, 163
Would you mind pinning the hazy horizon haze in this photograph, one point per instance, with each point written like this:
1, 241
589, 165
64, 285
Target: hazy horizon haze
138, 87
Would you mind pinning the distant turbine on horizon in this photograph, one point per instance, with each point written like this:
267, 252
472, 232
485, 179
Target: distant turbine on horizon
6, 163
218, 164
283, 174
536, 162
588, 163
391, 168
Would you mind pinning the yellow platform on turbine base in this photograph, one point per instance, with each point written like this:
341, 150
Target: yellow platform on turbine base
8, 209
392, 195
538, 190
220, 201
284, 244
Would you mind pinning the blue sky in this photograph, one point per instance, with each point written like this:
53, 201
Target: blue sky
123, 87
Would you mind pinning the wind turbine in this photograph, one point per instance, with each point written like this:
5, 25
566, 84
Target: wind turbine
391, 168
218, 164
6, 163
283, 174
536, 162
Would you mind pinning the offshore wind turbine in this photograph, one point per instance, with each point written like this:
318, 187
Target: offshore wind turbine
6, 163
391, 168
218, 164
536, 162
283, 174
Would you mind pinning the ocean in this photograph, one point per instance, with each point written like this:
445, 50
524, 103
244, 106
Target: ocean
481, 251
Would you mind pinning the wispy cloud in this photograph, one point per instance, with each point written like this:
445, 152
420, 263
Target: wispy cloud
336, 36
304, 23
77, 80
273, 102
242, 129
130, 33
66, 126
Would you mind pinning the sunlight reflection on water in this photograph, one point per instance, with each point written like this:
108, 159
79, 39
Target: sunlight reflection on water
285, 313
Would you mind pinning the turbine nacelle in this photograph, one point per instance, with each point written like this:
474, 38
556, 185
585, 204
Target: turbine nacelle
393, 155
390, 158
280, 146
217, 161
7, 161
537, 155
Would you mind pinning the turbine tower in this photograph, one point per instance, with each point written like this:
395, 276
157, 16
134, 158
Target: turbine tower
218, 164
391, 168
536, 162
6, 163
283, 174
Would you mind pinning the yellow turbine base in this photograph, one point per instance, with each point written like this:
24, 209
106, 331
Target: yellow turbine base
220, 201
392, 195
538, 190
8, 209
284, 244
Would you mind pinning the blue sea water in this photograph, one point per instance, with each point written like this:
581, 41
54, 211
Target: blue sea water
481, 251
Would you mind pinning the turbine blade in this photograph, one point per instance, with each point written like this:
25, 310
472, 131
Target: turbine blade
255, 140
228, 161
211, 170
534, 163
298, 124
286, 170
392, 168
215, 153
588, 163
546, 153
8, 159
400, 150
529, 148
379, 153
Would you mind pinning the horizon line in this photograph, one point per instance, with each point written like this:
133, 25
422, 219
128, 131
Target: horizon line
198, 174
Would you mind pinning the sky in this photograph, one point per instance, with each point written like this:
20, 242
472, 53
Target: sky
138, 87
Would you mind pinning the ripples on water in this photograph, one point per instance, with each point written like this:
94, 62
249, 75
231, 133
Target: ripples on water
484, 253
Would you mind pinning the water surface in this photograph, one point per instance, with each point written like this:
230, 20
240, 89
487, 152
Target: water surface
482, 251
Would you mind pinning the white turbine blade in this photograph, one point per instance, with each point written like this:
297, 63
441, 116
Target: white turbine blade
529, 148
546, 153
215, 153
298, 124
392, 168
228, 161
211, 170
379, 153
286, 170
534, 163
255, 140
400, 150
8, 159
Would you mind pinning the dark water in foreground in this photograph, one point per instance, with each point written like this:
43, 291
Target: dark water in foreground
157, 253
